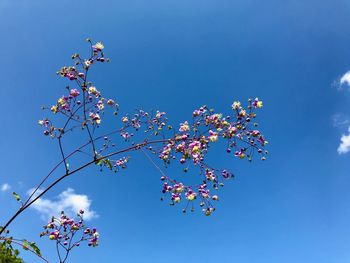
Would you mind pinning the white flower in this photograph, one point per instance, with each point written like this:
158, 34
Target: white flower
87, 63
99, 46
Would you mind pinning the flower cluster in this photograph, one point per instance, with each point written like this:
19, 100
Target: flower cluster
70, 232
208, 127
192, 143
83, 104
188, 144
153, 122
178, 191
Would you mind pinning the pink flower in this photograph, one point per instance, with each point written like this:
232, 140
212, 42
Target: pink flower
122, 162
98, 46
201, 110
210, 175
95, 117
74, 92
257, 103
255, 133
110, 102
100, 105
240, 153
159, 114
184, 127
176, 197
213, 136
190, 195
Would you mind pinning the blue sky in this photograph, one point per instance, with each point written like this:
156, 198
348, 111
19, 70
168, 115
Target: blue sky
176, 56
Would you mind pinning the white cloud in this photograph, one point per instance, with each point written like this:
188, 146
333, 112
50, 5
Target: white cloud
67, 201
340, 120
344, 145
345, 79
5, 187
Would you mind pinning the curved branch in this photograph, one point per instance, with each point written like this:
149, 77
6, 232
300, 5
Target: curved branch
25, 206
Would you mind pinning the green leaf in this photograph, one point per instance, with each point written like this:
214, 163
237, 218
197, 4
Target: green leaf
99, 162
25, 245
9, 240
109, 164
18, 198
35, 248
8, 254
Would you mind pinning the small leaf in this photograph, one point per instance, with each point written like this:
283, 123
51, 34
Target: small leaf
25, 245
35, 248
99, 162
9, 240
109, 164
18, 198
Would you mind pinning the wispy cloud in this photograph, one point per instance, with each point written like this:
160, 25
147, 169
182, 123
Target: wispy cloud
5, 187
344, 146
67, 201
340, 120
344, 80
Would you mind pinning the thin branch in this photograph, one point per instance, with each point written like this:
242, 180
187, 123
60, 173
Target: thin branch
154, 164
24, 207
68, 156
62, 153
58, 251
27, 248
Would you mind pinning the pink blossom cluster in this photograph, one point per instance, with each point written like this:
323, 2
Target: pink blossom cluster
70, 232
153, 122
179, 192
188, 144
73, 73
192, 143
83, 104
